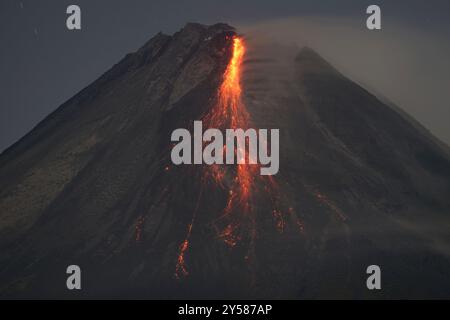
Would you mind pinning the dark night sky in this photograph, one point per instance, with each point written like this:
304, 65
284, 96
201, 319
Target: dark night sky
43, 64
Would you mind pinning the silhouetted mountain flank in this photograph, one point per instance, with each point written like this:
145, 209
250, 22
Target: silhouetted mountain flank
93, 185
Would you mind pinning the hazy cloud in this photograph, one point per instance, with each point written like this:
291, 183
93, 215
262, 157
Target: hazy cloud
409, 67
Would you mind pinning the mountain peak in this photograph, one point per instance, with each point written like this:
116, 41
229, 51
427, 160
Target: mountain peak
217, 26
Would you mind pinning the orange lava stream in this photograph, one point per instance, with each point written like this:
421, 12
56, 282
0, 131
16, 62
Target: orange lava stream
230, 112
237, 220
180, 269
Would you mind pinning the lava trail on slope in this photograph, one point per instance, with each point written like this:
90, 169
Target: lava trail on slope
242, 181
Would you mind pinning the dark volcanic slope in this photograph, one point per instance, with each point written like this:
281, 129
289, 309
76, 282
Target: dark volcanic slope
92, 185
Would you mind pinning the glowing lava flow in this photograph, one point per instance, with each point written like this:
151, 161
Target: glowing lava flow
242, 182
181, 264
230, 112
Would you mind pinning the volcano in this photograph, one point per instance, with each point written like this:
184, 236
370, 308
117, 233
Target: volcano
359, 183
